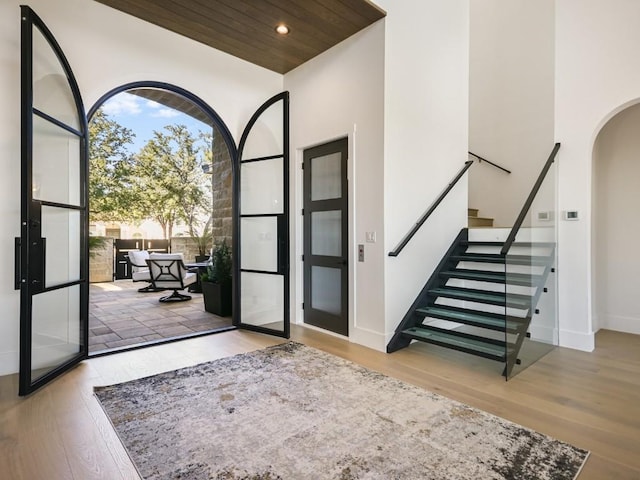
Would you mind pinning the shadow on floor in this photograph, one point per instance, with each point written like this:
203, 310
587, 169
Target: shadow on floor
120, 316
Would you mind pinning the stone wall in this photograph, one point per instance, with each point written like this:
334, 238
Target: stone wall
222, 227
185, 245
101, 262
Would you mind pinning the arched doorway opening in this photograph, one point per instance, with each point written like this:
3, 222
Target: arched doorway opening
162, 167
616, 223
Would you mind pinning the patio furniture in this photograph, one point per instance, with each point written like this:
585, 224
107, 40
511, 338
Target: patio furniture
168, 272
140, 270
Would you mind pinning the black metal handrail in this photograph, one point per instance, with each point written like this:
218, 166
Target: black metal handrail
482, 159
529, 201
431, 209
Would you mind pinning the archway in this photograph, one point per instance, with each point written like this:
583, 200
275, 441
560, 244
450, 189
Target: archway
616, 223
189, 120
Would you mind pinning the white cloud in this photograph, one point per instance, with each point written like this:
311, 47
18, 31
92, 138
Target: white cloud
166, 113
152, 104
123, 103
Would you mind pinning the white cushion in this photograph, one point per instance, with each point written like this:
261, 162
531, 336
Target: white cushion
176, 269
138, 258
166, 256
139, 268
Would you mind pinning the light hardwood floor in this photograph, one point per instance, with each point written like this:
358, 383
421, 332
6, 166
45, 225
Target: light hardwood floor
591, 400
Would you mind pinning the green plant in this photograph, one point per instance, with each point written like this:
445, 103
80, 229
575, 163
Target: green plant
220, 267
96, 243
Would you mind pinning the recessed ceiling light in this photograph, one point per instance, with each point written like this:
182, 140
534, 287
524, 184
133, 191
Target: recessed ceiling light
282, 29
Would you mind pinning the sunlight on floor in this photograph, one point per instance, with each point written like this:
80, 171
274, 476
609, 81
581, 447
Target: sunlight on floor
110, 287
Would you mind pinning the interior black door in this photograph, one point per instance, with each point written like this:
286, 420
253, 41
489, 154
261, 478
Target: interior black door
52, 251
261, 249
326, 261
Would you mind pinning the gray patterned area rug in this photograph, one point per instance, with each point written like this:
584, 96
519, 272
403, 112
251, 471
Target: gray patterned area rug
292, 412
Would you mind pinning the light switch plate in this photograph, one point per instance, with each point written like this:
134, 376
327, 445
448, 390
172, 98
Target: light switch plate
371, 237
571, 215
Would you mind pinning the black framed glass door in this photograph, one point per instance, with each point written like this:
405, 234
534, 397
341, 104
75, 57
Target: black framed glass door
326, 237
52, 252
261, 250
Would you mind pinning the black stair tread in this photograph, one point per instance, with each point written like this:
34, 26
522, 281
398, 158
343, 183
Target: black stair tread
537, 260
482, 296
492, 321
452, 339
523, 279
500, 244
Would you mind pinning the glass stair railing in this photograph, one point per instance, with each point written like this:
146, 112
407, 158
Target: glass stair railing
494, 299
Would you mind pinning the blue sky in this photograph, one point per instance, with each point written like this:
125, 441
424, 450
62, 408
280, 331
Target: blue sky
143, 117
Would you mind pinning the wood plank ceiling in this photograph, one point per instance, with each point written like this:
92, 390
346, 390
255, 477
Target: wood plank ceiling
246, 28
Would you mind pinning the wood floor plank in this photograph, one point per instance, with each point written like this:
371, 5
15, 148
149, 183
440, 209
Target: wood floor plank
591, 400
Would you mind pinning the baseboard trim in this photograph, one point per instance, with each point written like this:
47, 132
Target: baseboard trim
9, 363
620, 323
369, 339
578, 340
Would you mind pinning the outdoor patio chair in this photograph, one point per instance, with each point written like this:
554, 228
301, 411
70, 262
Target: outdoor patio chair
168, 272
140, 269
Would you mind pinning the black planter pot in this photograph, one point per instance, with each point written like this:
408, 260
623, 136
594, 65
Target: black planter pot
217, 298
202, 258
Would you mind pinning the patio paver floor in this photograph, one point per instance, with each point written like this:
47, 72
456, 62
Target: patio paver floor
121, 316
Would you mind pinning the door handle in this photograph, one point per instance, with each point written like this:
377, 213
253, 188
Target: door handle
17, 269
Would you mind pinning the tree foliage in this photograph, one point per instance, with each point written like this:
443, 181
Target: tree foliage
110, 169
169, 181
164, 181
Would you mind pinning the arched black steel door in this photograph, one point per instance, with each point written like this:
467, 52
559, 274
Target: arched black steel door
52, 251
261, 252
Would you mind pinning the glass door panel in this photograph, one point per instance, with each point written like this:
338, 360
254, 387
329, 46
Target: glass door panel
262, 251
259, 243
326, 233
56, 339
267, 136
56, 163
61, 232
51, 92
261, 187
263, 300
53, 263
326, 289
326, 177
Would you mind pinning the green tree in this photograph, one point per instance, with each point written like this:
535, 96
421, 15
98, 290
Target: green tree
110, 167
169, 182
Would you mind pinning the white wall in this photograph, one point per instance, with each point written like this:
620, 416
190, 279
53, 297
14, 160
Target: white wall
425, 143
511, 101
597, 74
340, 93
106, 49
616, 223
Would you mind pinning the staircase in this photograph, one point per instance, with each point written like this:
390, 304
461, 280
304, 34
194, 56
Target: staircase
473, 220
463, 305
